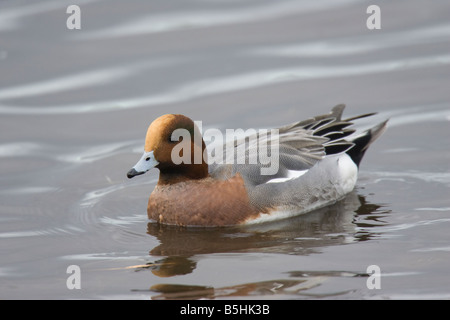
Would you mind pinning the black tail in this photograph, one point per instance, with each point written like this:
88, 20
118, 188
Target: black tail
364, 140
341, 138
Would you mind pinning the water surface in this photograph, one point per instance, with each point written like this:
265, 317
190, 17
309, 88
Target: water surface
75, 106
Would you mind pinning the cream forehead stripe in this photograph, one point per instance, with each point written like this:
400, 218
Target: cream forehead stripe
154, 131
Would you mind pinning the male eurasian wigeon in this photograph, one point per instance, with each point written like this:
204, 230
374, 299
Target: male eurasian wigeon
318, 162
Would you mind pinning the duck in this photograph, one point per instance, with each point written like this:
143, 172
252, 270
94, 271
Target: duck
318, 164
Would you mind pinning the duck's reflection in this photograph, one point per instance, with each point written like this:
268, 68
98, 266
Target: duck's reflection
349, 220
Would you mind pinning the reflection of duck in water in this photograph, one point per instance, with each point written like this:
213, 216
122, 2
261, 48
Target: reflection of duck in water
349, 220
317, 166
292, 287
303, 235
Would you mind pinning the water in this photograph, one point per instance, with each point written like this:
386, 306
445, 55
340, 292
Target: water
75, 106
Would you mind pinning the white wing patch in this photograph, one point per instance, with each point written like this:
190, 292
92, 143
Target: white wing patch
291, 174
335, 176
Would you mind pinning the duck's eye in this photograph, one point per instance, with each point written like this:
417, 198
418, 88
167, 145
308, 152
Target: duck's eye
148, 158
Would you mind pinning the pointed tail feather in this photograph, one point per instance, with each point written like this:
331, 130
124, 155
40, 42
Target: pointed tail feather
364, 140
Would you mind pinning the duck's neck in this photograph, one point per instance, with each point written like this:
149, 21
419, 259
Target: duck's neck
183, 173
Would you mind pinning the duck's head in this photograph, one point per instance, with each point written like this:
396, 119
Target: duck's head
174, 145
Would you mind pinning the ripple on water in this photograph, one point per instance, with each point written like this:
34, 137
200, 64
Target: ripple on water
212, 86
175, 21
56, 231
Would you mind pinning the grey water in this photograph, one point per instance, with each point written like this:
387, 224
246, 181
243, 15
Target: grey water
74, 110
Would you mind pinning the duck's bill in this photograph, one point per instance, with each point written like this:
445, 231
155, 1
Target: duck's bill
144, 164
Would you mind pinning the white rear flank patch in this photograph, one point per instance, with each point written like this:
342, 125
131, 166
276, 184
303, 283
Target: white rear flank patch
332, 180
348, 173
283, 214
291, 174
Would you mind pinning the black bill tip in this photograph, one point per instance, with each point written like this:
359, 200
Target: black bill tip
132, 173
